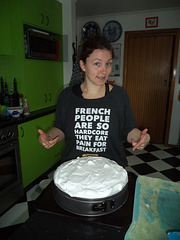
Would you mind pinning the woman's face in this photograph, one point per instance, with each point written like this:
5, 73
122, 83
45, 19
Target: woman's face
98, 66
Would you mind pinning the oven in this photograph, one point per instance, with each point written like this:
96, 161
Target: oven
11, 186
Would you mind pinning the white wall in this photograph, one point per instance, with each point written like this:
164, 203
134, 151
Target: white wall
174, 135
69, 30
136, 21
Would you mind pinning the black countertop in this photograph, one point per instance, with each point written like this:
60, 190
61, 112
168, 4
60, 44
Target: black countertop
50, 221
120, 218
43, 225
6, 121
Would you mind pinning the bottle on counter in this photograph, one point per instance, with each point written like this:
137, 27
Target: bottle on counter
26, 107
1, 91
15, 94
11, 98
20, 100
6, 95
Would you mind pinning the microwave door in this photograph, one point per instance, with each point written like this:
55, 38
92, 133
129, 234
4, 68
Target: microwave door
41, 46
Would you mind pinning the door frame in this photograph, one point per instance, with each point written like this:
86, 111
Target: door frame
176, 33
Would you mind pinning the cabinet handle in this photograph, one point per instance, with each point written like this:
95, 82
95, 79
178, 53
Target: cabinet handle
50, 97
45, 98
47, 23
22, 130
42, 19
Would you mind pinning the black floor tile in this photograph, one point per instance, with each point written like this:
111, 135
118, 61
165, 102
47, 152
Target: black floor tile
31, 207
143, 169
128, 153
173, 174
173, 151
173, 161
127, 145
23, 198
5, 233
147, 157
151, 148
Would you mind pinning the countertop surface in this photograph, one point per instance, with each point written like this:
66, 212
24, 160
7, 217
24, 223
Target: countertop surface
44, 226
50, 221
6, 121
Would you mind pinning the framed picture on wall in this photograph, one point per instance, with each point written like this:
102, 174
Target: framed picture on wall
116, 61
151, 22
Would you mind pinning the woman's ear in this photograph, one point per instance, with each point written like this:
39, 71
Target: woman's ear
82, 65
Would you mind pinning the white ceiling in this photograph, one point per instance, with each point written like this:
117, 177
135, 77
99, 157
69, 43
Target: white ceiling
100, 7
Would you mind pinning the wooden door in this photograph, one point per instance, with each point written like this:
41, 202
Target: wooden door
147, 78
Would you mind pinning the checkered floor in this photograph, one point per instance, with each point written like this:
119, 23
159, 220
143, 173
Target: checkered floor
154, 161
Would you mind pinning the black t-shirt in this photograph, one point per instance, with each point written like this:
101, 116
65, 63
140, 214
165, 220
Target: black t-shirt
95, 126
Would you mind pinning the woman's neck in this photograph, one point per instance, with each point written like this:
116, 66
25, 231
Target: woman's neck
92, 91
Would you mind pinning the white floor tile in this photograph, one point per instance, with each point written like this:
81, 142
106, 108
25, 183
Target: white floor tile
136, 151
133, 160
157, 175
161, 154
51, 174
129, 169
159, 165
44, 183
178, 168
16, 215
161, 146
33, 193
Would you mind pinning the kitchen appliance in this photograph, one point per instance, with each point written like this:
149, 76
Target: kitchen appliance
40, 44
11, 186
90, 207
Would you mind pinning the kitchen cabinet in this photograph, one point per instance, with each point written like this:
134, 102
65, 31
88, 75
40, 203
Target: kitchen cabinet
5, 29
43, 83
45, 14
35, 159
39, 80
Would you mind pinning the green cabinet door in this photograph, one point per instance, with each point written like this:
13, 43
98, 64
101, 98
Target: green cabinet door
44, 14
35, 159
5, 29
43, 83
53, 13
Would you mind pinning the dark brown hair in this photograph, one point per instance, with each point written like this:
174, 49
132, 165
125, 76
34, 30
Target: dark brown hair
93, 43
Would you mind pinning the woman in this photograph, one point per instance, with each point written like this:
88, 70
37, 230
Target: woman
95, 117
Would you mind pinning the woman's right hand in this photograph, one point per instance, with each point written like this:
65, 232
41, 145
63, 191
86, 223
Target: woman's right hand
47, 142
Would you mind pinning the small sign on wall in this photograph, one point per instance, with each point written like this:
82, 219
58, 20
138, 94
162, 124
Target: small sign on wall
151, 22
116, 61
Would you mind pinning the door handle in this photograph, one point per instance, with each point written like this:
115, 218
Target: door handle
45, 95
50, 97
42, 18
22, 130
47, 23
165, 83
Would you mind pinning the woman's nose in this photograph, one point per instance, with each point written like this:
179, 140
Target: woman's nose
104, 69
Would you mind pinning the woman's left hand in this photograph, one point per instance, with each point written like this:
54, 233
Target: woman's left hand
141, 142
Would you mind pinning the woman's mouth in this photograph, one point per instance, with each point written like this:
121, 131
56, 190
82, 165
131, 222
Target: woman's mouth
102, 78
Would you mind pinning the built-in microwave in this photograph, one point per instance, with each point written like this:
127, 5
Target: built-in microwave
39, 44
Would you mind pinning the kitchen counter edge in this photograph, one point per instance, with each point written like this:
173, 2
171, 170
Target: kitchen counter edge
22, 119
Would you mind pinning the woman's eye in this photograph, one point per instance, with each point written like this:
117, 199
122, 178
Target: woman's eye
97, 64
109, 64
